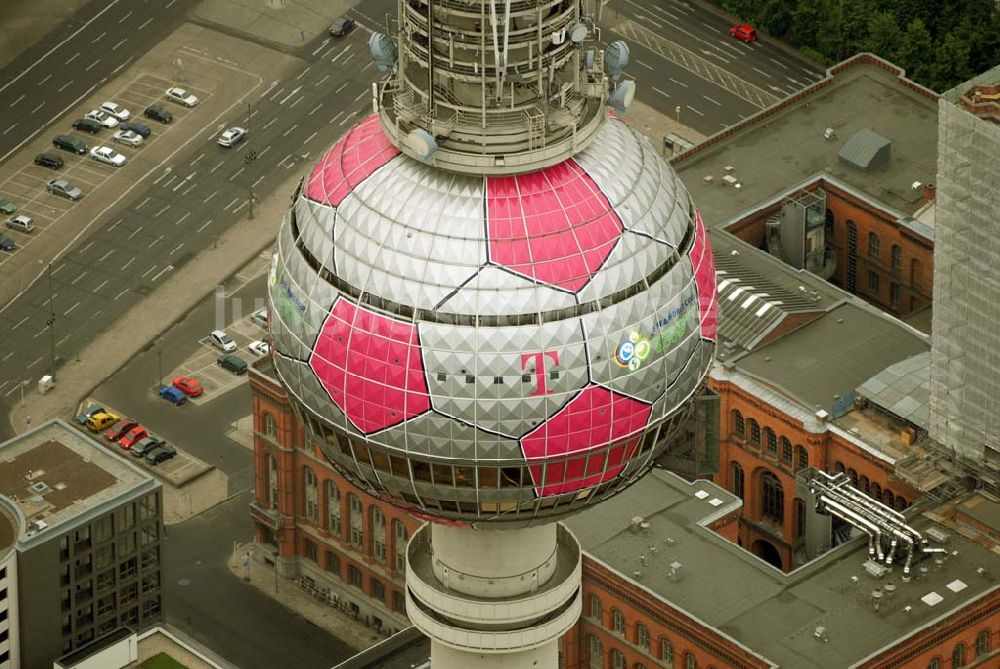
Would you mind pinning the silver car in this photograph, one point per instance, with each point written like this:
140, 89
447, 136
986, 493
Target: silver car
102, 117
63, 188
232, 136
181, 96
128, 137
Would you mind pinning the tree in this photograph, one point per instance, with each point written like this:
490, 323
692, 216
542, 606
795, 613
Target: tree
951, 63
883, 35
916, 51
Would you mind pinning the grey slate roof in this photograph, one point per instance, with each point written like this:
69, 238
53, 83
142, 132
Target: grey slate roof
903, 388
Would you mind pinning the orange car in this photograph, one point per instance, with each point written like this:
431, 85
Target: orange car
189, 386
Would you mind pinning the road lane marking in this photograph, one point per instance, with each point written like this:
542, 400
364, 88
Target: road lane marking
210, 196
125, 266
73, 57
145, 23
287, 97
694, 110
111, 228
238, 172
268, 124
318, 83
95, 314
78, 277
181, 219
140, 205
166, 184
315, 109
64, 86
21, 97
321, 46
259, 179
155, 241
203, 226
19, 323
778, 62
87, 69
103, 284
648, 67
664, 94
347, 59
302, 73
760, 71
124, 18
189, 189
85, 248
134, 232
161, 273
40, 105
235, 200
120, 294
47, 77
9, 128
157, 214
261, 154
335, 58
341, 87
297, 101
162, 176
678, 82
221, 163
70, 310
118, 44
290, 130
146, 273
177, 248
56, 270
715, 102
37, 360
200, 156
106, 255
307, 139
98, 38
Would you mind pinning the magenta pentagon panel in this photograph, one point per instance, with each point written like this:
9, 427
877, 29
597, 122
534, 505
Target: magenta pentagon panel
704, 276
588, 423
357, 155
370, 365
554, 226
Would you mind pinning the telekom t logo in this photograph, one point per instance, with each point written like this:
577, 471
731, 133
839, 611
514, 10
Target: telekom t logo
539, 360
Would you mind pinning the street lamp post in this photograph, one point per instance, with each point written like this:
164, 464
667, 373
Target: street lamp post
159, 359
52, 328
248, 160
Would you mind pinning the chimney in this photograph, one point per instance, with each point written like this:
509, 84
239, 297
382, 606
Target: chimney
929, 193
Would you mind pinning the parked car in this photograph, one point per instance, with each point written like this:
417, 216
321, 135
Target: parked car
104, 118
132, 436
188, 386
107, 155
101, 420
87, 125
744, 33
84, 416
259, 318
7, 244
340, 27
69, 143
140, 129
128, 138
233, 363
116, 110
63, 188
158, 113
144, 446
6, 206
232, 136
21, 223
181, 96
160, 454
259, 347
173, 395
118, 430
49, 160
222, 341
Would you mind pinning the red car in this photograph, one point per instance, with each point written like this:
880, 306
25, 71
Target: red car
744, 32
133, 436
118, 430
188, 386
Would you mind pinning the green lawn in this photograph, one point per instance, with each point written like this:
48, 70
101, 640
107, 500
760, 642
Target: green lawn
162, 661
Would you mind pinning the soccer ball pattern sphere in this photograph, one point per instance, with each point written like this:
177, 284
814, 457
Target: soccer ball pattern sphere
492, 348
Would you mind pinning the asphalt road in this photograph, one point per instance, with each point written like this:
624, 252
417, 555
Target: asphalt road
92, 47
682, 55
185, 205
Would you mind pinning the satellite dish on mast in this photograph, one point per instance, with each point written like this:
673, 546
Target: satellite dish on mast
383, 51
615, 59
422, 143
623, 95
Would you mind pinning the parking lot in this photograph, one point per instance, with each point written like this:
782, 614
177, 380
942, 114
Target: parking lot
26, 187
203, 366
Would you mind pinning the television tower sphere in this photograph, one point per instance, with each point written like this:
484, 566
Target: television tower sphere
485, 334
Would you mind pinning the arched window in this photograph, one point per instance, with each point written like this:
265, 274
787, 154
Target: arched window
897, 257
802, 457
901, 504
357, 520
618, 621
853, 475
838, 467
888, 498
771, 440
595, 607
800, 518
873, 245
865, 485
876, 491
642, 636
333, 512
310, 496
400, 537
982, 643
666, 651
737, 479
738, 428
772, 498
786, 451
638, 665
596, 653
754, 432
958, 656
690, 662
934, 664
272, 481
378, 532
270, 425
617, 659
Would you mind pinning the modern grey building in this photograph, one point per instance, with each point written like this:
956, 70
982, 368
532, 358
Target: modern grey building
965, 364
80, 534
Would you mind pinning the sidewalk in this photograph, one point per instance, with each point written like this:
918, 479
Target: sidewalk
285, 590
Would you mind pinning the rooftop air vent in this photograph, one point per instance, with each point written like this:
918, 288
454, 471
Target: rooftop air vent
866, 150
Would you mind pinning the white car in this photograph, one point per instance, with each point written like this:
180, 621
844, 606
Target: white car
259, 318
232, 136
222, 341
128, 137
116, 110
182, 96
102, 117
259, 347
107, 155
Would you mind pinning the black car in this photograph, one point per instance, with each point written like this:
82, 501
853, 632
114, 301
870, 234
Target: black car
233, 363
87, 125
88, 412
158, 113
140, 129
144, 446
160, 454
341, 26
7, 244
69, 143
50, 160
